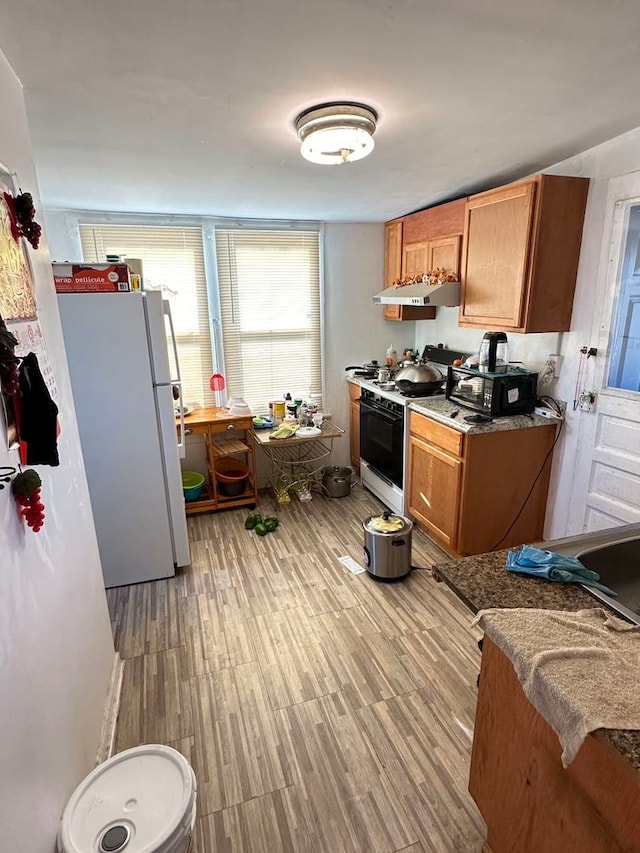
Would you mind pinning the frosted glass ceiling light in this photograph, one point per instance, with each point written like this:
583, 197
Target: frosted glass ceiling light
336, 133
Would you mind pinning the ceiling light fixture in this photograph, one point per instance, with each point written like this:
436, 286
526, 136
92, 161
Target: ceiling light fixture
336, 133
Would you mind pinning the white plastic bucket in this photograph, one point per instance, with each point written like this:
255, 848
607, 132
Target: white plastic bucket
142, 800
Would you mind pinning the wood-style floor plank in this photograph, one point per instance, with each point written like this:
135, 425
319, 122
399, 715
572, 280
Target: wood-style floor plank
426, 756
292, 657
321, 710
321, 582
155, 705
216, 637
239, 752
145, 617
353, 806
366, 664
273, 823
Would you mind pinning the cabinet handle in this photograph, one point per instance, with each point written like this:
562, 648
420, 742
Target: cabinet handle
231, 426
188, 431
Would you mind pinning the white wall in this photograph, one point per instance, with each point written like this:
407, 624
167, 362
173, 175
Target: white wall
56, 650
355, 330
532, 350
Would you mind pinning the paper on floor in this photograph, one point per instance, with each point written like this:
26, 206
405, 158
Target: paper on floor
350, 564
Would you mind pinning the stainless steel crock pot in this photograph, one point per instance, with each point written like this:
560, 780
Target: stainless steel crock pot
387, 545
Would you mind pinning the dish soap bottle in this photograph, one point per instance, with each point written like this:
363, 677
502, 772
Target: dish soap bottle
392, 358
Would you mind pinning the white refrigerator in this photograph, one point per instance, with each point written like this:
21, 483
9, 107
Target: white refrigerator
122, 378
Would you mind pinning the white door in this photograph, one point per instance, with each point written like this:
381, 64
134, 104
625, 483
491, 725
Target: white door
607, 481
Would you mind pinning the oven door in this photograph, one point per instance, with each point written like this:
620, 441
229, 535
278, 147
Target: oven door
382, 441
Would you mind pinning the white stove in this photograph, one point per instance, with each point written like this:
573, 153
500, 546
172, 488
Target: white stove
384, 435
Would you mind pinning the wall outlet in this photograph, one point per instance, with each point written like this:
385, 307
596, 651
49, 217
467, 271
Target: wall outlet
555, 359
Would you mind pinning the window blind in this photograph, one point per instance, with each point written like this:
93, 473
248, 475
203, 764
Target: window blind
269, 284
173, 261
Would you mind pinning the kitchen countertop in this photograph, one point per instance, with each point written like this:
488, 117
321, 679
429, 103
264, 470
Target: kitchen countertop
482, 582
440, 409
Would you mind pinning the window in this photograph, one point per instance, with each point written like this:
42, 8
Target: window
269, 284
173, 259
624, 366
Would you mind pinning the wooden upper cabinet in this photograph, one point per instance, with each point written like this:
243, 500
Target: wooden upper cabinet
420, 242
436, 222
520, 255
392, 262
444, 254
415, 258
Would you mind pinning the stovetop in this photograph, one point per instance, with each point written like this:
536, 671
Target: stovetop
435, 353
394, 395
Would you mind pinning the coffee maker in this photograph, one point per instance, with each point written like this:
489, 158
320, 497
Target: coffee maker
494, 353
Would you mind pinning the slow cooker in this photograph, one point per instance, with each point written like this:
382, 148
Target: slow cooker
387, 545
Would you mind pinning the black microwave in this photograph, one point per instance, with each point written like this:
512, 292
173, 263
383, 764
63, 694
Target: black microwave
493, 394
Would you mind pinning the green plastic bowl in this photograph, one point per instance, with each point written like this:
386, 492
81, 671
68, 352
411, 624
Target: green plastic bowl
192, 484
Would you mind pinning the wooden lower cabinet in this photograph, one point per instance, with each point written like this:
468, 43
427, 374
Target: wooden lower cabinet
466, 490
354, 425
434, 489
530, 803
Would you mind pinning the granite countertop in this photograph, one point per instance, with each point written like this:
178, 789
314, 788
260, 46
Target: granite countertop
440, 409
482, 582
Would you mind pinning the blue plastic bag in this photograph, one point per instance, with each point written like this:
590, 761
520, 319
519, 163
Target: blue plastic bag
554, 567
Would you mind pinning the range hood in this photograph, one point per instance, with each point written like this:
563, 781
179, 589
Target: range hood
445, 294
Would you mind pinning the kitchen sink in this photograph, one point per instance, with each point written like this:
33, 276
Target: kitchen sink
618, 564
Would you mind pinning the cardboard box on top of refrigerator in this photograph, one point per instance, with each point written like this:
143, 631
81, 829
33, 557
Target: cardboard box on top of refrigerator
91, 278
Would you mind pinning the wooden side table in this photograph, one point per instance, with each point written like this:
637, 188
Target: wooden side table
224, 436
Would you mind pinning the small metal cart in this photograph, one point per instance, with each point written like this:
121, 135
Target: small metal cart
296, 462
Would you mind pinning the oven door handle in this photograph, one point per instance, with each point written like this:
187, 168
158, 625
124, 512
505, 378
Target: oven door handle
383, 413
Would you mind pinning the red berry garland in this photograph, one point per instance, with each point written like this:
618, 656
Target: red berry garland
22, 217
27, 490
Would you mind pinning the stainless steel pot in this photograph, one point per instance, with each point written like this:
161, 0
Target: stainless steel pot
420, 378
336, 480
387, 545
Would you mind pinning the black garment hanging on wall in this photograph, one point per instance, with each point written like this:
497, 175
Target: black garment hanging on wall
39, 415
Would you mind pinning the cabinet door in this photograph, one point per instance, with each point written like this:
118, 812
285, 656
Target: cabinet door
392, 263
444, 254
354, 433
415, 258
435, 480
496, 257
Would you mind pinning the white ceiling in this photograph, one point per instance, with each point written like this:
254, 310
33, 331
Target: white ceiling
187, 106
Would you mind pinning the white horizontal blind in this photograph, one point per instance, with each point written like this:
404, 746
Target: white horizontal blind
173, 261
270, 304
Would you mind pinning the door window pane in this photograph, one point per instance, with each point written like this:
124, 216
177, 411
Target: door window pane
624, 367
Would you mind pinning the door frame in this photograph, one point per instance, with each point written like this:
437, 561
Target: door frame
622, 193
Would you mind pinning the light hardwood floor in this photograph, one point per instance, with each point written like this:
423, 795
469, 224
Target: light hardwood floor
321, 710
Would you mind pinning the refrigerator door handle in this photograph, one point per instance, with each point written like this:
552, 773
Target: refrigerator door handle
174, 344
182, 444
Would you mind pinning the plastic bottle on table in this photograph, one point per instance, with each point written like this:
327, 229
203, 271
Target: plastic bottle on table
392, 358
